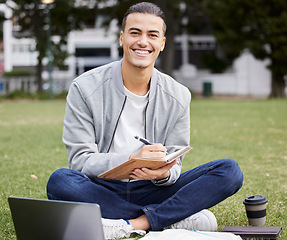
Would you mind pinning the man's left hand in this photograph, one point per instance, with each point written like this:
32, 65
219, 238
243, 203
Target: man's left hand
148, 174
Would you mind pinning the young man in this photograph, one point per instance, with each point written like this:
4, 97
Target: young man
106, 108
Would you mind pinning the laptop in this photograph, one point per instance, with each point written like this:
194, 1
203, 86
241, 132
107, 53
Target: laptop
36, 219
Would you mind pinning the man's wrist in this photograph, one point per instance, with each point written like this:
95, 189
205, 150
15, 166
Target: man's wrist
162, 180
164, 177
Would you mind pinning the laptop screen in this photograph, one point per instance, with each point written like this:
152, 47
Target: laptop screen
36, 219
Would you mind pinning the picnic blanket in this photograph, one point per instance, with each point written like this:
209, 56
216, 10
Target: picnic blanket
182, 234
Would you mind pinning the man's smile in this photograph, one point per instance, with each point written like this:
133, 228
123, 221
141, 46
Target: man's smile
142, 52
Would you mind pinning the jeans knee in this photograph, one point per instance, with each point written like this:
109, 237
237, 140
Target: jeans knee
58, 175
61, 180
233, 173
54, 179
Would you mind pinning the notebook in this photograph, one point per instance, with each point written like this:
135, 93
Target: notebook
255, 232
36, 219
124, 170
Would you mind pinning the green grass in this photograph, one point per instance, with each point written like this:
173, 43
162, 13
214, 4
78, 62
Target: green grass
253, 132
30, 143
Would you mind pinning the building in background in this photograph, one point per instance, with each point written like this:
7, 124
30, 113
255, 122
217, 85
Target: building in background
95, 46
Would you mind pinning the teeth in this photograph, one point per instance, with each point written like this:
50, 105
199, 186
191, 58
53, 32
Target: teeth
142, 52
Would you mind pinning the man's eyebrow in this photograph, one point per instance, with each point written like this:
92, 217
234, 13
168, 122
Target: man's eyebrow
135, 29
139, 30
154, 31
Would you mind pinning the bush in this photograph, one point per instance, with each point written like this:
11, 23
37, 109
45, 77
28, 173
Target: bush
19, 94
215, 64
18, 73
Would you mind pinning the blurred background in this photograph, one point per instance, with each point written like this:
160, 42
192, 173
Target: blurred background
214, 47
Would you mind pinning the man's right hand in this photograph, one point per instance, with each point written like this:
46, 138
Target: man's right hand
156, 150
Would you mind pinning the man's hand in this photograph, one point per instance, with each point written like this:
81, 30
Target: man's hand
148, 174
157, 151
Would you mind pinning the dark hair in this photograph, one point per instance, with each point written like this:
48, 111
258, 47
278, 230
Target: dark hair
145, 7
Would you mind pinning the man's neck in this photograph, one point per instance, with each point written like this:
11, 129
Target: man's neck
136, 80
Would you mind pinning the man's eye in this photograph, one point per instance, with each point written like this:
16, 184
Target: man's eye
134, 33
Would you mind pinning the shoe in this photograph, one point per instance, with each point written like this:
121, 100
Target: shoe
201, 221
118, 228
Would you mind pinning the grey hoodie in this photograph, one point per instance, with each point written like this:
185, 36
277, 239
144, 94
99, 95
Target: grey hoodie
94, 105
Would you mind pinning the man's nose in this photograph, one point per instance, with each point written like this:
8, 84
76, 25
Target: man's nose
143, 41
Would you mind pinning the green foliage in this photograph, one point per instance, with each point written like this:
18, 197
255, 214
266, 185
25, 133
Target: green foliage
19, 94
2, 18
17, 73
32, 18
175, 12
215, 64
65, 17
259, 25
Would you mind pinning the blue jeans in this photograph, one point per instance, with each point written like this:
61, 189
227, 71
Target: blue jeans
196, 189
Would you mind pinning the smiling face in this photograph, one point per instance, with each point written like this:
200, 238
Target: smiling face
142, 40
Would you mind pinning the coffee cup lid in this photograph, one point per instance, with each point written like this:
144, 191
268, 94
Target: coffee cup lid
255, 200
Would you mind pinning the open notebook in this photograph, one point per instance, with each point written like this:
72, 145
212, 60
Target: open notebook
124, 170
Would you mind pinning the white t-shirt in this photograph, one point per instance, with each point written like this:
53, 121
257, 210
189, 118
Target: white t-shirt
131, 123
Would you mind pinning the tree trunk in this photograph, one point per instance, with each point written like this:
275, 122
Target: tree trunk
167, 56
277, 86
39, 76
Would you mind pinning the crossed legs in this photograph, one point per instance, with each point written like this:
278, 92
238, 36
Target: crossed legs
145, 205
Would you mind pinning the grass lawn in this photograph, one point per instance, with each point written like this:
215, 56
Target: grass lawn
253, 132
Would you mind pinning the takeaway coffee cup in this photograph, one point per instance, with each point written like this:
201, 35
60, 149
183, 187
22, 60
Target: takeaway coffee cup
256, 209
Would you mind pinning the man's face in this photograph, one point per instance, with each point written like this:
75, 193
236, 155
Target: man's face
142, 39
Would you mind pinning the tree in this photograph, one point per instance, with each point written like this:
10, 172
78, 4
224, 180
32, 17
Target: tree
2, 19
181, 15
65, 17
258, 25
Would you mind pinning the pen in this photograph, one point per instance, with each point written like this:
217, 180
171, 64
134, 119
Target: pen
143, 140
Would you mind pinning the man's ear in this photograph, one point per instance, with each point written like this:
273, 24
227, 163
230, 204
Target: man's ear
163, 44
121, 39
